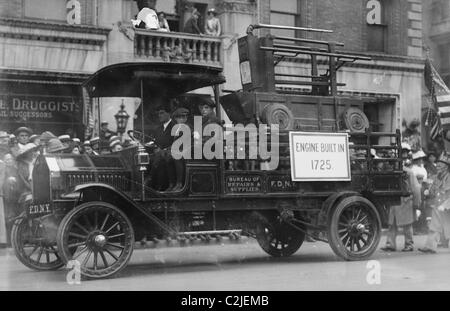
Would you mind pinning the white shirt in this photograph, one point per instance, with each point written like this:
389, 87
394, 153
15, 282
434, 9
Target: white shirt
149, 17
165, 125
419, 171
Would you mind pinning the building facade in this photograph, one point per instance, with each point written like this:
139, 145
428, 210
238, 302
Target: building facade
49, 47
436, 28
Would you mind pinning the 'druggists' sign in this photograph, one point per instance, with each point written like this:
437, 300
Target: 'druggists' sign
319, 156
40, 108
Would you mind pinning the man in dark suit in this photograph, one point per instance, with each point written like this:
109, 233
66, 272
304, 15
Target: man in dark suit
163, 167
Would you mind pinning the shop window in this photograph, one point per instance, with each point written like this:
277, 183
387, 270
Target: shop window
284, 13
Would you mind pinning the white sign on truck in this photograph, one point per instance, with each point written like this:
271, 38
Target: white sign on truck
319, 156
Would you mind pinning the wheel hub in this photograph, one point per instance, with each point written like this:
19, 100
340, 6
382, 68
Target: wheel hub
100, 240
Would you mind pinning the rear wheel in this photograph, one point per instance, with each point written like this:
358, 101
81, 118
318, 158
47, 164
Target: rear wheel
276, 237
32, 247
354, 228
99, 236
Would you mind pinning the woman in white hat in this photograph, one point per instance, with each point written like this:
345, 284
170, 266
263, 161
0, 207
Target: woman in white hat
212, 27
418, 167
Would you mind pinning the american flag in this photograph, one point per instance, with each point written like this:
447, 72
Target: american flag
440, 94
432, 122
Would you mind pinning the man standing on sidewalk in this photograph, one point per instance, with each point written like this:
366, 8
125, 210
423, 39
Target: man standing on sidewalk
440, 212
403, 215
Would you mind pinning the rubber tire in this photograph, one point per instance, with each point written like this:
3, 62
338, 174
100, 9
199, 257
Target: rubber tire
15, 245
271, 111
333, 237
292, 248
63, 228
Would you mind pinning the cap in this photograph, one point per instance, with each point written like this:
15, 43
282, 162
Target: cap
55, 145
3, 134
406, 146
76, 141
212, 10
86, 143
46, 136
207, 101
64, 138
180, 112
23, 129
95, 140
114, 137
113, 143
34, 137
27, 149
104, 122
418, 155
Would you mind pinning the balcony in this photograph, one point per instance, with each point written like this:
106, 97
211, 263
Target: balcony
177, 47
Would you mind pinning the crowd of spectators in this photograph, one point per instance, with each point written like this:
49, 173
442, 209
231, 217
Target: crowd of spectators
19, 151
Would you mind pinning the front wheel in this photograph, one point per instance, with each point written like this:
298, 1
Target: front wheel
99, 237
354, 228
32, 246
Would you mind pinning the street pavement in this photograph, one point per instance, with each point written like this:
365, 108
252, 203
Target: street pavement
235, 266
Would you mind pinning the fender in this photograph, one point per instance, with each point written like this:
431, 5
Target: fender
331, 201
99, 187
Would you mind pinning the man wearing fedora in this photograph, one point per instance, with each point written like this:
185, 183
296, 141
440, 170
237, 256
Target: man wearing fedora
212, 27
23, 137
403, 215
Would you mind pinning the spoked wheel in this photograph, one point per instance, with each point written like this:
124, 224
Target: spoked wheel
31, 246
99, 236
276, 237
354, 228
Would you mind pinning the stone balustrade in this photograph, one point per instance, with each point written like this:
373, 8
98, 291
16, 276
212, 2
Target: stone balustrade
177, 47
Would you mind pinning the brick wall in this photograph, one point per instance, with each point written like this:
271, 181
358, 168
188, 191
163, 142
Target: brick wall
347, 18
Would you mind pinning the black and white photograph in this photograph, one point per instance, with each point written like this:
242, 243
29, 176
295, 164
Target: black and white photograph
224, 146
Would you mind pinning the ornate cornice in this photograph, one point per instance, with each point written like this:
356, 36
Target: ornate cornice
53, 32
39, 24
37, 76
247, 7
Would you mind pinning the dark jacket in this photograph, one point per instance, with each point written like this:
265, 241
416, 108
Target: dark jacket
163, 138
191, 26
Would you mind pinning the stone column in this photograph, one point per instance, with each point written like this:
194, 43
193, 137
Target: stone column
235, 17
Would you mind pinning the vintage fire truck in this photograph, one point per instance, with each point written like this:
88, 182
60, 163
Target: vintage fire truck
94, 208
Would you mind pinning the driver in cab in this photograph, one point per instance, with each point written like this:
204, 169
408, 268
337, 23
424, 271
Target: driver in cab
162, 170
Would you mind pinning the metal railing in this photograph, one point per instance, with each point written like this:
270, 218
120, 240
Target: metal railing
178, 47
